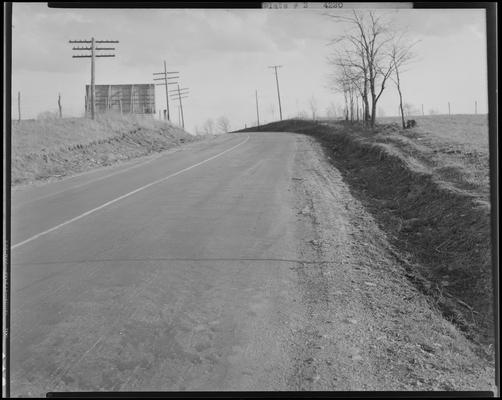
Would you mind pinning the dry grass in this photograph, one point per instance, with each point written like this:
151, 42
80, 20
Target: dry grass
46, 148
33, 136
430, 193
453, 148
464, 130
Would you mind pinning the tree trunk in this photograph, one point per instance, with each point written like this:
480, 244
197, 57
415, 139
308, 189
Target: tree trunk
346, 106
60, 107
365, 101
398, 84
373, 111
373, 98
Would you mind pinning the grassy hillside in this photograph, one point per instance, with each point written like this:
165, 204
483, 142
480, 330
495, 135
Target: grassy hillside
428, 189
47, 148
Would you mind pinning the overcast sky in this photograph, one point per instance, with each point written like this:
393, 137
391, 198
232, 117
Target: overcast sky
223, 57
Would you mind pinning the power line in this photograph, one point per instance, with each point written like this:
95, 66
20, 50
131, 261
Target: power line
278, 92
178, 94
92, 56
176, 90
181, 105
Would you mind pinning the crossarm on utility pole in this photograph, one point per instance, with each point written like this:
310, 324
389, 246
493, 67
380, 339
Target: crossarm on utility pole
93, 55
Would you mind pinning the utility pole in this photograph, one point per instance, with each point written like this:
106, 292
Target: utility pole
181, 108
257, 112
178, 94
59, 106
93, 81
449, 111
277, 83
19, 106
476, 107
92, 56
165, 78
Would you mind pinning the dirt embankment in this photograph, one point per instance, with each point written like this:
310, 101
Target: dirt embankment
54, 148
439, 229
368, 327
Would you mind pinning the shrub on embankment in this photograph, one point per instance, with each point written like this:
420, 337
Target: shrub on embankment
439, 229
46, 148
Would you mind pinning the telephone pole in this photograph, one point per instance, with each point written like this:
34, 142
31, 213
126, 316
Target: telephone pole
278, 93
165, 82
178, 94
92, 56
257, 112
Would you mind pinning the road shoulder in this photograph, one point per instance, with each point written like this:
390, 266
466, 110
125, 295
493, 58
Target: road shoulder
369, 327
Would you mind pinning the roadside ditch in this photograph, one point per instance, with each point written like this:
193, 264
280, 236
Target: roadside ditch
440, 235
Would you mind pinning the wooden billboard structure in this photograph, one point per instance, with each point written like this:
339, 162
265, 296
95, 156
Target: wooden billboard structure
126, 99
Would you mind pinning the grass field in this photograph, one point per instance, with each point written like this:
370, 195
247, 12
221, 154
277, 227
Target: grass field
452, 148
47, 148
463, 129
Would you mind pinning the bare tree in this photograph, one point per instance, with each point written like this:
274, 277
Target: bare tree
407, 109
302, 115
401, 55
340, 111
313, 107
351, 80
208, 127
331, 111
60, 106
223, 124
345, 97
343, 83
363, 57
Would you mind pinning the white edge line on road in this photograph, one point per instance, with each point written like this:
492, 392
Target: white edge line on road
137, 164
140, 164
125, 195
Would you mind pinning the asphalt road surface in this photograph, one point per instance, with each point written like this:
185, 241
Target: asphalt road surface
174, 273
243, 262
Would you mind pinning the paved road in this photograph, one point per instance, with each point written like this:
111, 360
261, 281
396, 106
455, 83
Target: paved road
174, 274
